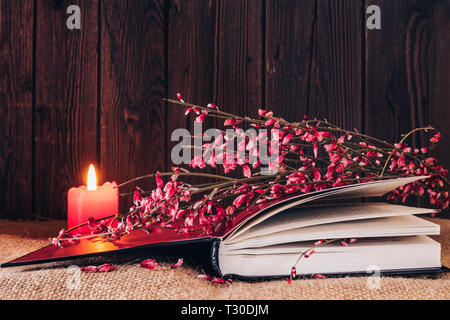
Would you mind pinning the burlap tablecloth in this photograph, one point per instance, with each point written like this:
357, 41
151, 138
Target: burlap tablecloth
130, 281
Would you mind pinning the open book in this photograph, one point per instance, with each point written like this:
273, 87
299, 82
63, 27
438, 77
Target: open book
267, 239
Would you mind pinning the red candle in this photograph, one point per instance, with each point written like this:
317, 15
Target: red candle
98, 202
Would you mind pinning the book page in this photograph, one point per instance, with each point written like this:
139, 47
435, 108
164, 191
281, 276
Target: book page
399, 254
368, 228
369, 189
325, 214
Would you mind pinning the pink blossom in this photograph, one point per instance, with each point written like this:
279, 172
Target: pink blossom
315, 148
229, 122
159, 182
287, 138
230, 210
295, 178
201, 117
321, 135
189, 221
247, 171
170, 190
330, 147
185, 196
436, 138
293, 272
317, 175
137, 197
262, 112
308, 137
269, 122
213, 159
96, 226
198, 161
309, 253
55, 241
239, 200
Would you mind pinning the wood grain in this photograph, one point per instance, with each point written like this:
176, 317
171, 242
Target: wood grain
406, 85
190, 64
388, 109
69, 98
313, 63
133, 129
238, 76
288, 56
239, 51
66, 103
16, 108
336, 67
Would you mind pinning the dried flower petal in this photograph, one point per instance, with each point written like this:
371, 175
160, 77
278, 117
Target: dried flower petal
89, 269
106, 268
204, 276
293, 272
218, 280
149, 264
178, 264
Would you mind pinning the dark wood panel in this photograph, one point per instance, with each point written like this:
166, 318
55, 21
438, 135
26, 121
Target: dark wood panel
336, 68
288, 60
191, 43
388, 109
314, 60
238, 76
406, 71
133, 131
16, 87
311, 57
239, 52
435, 66
66, 102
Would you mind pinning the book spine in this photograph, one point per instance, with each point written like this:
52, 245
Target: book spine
215, 258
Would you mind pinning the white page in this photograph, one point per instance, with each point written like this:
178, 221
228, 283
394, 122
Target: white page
369, 228
369, 189
399, 254
316, 215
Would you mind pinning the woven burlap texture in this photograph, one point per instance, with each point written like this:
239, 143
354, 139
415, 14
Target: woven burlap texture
130, 281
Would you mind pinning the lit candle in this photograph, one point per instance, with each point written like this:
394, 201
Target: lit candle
98, 202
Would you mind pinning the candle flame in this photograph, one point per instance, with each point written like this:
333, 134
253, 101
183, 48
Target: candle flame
91, 179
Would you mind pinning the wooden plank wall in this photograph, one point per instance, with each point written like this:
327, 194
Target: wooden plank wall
73, 97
